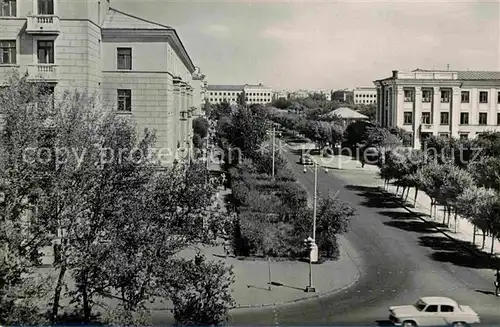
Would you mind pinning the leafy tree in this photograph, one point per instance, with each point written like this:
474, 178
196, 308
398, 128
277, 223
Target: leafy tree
332, 220
369, 110
403, 135
200, 291
480, 206
220, 110
200, 126
356, 133
486, 172
246, 129
282, 103
242, 98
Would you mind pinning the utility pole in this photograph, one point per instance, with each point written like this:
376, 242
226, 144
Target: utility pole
273, 136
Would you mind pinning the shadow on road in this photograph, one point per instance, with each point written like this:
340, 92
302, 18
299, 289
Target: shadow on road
459, 253
258, 287
415, 226
454, 251
384, 323
485, 292
400, 215
375, 198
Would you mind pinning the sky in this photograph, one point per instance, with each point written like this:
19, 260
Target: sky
327, 44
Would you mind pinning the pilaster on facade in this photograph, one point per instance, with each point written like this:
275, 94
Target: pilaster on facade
397, 118
436, 110
177, 112
455, 111
417, 117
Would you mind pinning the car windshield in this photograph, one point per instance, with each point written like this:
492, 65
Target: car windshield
420, 305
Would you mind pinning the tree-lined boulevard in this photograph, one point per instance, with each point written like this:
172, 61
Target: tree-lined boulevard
396, 268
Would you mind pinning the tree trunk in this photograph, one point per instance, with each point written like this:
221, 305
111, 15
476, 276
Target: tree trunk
492, 243
474, 235
456, 216
407, 193
484, 240
444, 215
403, 192
57, 293
397, 190
85, 299
415, 199
432, 206
448, 210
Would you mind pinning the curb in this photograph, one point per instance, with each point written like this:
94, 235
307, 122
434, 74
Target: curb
469, 247
302, 299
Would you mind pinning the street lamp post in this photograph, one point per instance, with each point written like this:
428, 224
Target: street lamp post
273, 137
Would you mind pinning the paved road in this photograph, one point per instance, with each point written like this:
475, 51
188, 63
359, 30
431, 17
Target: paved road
401, 259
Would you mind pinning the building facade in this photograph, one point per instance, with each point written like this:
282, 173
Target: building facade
281, 94
447, 103
254, 94
365, 95
343, 96
138, 68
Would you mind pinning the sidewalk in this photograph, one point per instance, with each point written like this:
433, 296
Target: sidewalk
289, 278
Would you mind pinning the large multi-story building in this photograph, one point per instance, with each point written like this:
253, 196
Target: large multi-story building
365, 95
254, 94
447, 103
139, 68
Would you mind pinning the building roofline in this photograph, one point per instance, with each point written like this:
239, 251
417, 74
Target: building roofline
141, 19
182, 49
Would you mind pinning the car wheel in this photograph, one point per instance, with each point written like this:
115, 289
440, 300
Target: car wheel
409, 323
459, 324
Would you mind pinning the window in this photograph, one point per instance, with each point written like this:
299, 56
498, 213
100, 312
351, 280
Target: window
444, 134
498, 97
464, 118
46, 7
45, 52
8, 8
426, 118
498, 118
447, 308
408, 118
431, 308
483, 97
464, 136
426, 95
124, 58
465, 96
445, 96
445, 118
483, 118
408, 95
124, 100
7, 52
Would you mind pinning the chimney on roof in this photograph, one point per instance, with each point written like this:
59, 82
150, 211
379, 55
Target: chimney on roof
394, 73
448, 67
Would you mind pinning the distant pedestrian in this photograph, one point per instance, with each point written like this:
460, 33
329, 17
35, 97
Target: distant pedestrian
224, 180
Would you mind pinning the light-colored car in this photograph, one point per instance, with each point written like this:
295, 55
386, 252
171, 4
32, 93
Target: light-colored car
433, 311
306, 159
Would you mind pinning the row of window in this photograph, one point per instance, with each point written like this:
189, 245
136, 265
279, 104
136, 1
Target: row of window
248, 94
446, 96
8, 8
234, 99
45, 52
365, 101
365, 95
445, 118
462, 135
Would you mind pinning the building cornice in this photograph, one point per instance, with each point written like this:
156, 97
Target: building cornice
169, 34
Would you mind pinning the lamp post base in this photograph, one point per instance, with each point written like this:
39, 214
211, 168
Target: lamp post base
310, 289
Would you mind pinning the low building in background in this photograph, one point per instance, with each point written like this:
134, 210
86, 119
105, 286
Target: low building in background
446, 103
343, 96
365, 95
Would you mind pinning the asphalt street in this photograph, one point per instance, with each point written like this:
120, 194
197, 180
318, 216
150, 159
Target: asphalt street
400, 257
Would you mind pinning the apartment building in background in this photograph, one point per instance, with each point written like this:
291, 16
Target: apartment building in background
280, 94
254, 94
364, 95
136, 67
447, 103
